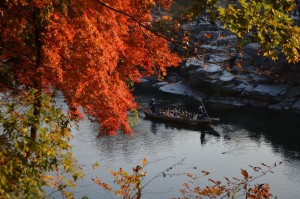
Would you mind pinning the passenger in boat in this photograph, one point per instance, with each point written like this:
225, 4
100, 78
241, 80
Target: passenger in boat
181, 114
167, 112
201, 112
185, 115
195, 116
176, 113
171, 113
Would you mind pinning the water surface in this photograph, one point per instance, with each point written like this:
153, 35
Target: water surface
244, 137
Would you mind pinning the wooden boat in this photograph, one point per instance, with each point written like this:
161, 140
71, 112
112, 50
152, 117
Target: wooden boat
163, 118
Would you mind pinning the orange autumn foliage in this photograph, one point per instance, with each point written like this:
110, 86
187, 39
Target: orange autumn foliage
84, 49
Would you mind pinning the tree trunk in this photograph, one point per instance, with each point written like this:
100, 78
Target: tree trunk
36, 113
37, 78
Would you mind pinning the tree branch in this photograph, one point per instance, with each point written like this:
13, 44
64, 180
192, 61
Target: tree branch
176, 43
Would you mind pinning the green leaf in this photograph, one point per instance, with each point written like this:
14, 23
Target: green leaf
96, 165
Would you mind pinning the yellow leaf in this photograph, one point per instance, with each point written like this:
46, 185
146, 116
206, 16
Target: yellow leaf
144, 162
106, 186
96, 165
123, 173
165, 17
50, 177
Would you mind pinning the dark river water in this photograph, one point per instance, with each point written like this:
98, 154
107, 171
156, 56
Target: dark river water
242, 137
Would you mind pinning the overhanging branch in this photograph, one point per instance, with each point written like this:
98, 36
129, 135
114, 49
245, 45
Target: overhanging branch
142, 25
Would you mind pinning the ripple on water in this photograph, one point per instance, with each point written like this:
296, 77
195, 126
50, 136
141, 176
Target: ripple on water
243, 138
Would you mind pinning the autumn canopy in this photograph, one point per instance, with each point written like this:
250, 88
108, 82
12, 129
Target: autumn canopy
89, 50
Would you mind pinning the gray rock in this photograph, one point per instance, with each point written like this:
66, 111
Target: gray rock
287, 103
193, 62
173, 79
230, 39
243, 90
275, 107
143, 80
181, 89
208, 48
226, 89
226, 76
248, 90
243, 78
296, 105
212, 49
218, 58
210, 68
259, 79
293, 92
160, 84
189, 66
270, 90
260, 103
214, 78
240, 86
202, 36
250, 56
217, 49
269, 64
253, 47
228, 101
204, 26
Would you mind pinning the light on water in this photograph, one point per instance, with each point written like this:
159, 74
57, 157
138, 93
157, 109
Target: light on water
240, 139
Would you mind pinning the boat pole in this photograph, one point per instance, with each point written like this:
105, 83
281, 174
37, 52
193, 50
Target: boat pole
205, 111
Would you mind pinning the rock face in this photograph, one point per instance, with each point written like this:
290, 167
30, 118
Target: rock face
242, 88
229, 77
182, 89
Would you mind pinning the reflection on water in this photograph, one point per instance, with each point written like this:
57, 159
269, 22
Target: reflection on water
241, 138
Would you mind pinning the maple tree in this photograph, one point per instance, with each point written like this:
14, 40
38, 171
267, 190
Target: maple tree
90, 51
85, 49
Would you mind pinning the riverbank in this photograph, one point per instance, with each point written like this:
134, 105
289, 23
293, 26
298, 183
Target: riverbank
222, 74
262, 96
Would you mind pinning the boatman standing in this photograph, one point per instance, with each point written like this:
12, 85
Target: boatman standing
152, 106
201, 112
